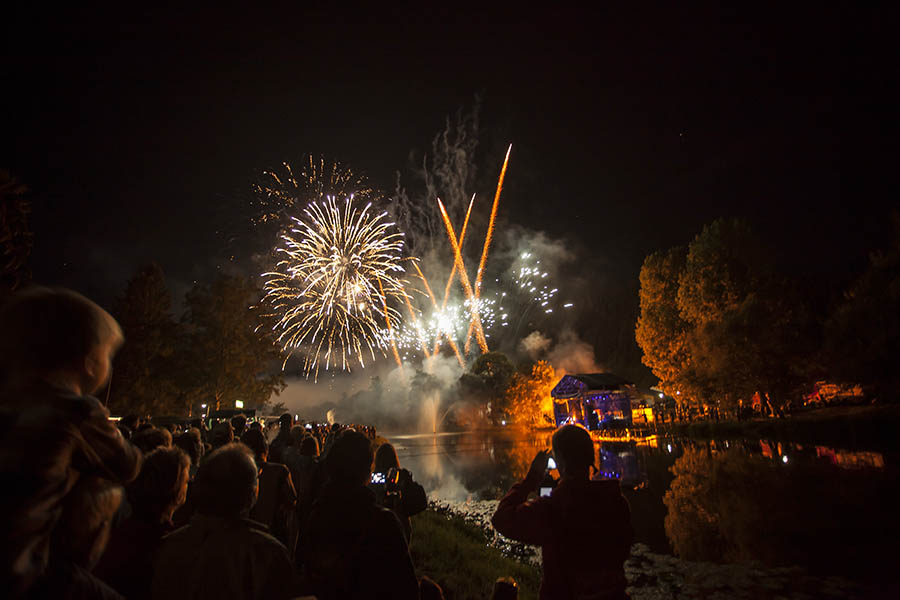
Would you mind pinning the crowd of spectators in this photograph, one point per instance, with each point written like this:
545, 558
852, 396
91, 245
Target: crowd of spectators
98, 509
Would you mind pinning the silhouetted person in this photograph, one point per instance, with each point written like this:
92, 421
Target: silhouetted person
583, 527
277, 498
239, 423
283, 438
160, 488
191, 443
400, 493
222, 554
222, 434
152, 438
351, 547
56, 349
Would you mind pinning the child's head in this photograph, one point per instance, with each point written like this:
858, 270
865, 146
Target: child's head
57, 333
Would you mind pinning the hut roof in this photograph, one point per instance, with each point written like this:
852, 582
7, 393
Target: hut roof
577, 383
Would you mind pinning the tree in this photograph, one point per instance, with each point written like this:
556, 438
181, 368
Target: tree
487, 381
229, 354
15, 234
145, 380
717, 323
528, 396
661, 332
862, 336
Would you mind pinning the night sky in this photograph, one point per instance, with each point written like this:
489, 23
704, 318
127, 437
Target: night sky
137, 133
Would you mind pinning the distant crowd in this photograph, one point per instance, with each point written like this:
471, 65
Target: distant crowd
94, 508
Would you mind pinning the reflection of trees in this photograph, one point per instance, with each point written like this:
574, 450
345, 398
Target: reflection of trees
736, 507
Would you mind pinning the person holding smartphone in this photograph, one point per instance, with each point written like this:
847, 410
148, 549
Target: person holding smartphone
396, 489
583, 527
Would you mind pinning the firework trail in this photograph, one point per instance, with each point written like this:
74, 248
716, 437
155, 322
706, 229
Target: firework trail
333, 291
467, 286
487, 243
462, 237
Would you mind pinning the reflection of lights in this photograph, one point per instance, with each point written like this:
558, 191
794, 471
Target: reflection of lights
784, 459
669, 447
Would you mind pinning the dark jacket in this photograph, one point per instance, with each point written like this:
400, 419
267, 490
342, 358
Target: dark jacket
275, 504
583, 529
222, 559
49, 438
354, 549
127, 564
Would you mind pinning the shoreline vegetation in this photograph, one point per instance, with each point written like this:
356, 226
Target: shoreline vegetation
456, 546
872, 426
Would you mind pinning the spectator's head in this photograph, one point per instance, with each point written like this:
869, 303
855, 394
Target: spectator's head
574, 450
429, 589
505, 588
161, 486
239, 422
222, 433
286, 421
191, 444
309, 446
59, 336
349, 461
226, 484
83, 531
256, 425
256, 441
131, 421
386, 458
297, 434
152, 438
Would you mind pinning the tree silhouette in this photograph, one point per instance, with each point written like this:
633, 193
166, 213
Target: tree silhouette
229, 353
145, 379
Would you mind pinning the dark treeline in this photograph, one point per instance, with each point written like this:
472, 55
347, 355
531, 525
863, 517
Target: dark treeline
719, 322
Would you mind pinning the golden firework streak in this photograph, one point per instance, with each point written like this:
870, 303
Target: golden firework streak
387, 319
467, 286
462, 237
484, 253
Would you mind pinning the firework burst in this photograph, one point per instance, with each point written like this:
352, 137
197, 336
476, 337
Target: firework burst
334, 288
282, 191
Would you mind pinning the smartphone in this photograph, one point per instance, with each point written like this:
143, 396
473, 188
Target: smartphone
545, 491
551, 464
309, 425
378, 478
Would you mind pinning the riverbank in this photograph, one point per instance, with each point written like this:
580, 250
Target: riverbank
455, 545
849, 427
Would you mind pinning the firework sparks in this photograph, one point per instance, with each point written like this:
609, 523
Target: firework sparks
332, 293
283, 191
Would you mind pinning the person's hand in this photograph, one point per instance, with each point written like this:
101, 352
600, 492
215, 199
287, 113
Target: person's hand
539, 465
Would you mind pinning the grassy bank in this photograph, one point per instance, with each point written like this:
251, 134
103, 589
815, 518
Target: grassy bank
853, 426
454, 554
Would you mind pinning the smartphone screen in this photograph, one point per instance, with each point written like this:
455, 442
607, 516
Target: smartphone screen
377, 477
545, 491
551, 464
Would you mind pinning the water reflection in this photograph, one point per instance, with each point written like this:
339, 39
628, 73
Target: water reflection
783, 505
826, 508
